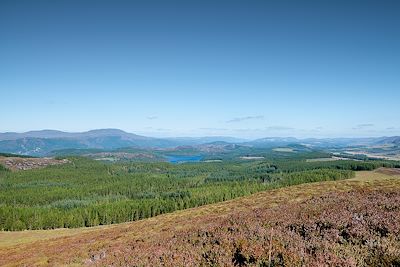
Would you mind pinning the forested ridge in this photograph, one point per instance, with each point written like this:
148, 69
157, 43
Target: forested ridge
86, 192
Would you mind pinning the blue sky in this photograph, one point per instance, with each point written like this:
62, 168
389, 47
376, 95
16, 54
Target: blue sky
191, 68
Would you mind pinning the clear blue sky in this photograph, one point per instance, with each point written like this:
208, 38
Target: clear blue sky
171, 68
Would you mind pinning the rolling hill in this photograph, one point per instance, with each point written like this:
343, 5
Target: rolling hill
43, 143
393, 140
339, 223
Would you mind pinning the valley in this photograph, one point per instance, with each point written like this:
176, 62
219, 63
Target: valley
199, 133
186, 206
86, 192
121, 145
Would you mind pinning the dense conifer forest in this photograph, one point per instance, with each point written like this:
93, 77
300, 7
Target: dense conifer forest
86, 192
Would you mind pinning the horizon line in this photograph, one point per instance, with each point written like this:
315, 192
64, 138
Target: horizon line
205, 135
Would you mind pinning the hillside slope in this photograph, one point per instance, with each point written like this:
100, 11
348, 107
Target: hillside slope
352, 222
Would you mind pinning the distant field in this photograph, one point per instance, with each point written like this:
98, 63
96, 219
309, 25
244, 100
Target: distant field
283, 149
251, 157
230, 233
377, 152
328, 159
321, 159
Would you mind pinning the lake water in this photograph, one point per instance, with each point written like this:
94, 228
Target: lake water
183, 158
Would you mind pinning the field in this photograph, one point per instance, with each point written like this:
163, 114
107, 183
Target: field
349, 222
283, 149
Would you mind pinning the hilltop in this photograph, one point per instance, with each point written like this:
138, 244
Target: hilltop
349, 222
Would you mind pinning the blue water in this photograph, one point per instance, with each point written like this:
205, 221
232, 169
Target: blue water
183, 158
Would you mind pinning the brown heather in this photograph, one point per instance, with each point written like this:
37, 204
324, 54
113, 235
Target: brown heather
357, 228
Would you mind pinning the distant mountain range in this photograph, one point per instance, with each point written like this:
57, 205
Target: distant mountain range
59, 134
40, 143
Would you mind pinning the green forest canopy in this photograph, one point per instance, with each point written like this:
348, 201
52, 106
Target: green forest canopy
88, 193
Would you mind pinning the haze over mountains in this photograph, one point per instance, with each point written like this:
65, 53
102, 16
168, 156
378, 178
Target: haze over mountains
40, 143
